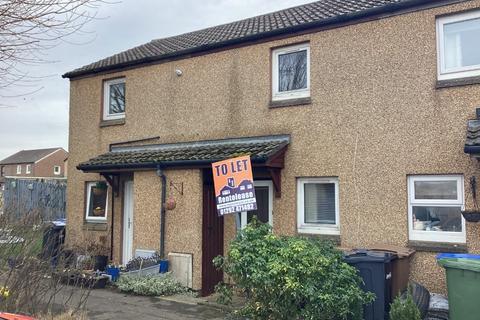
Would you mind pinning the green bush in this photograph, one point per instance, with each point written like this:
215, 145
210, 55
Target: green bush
292, 277
150, 285
404, 309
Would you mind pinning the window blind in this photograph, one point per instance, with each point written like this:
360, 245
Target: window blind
319, 203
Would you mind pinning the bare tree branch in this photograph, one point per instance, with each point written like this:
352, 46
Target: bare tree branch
30, 27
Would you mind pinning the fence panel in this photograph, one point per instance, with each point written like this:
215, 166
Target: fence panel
46, 198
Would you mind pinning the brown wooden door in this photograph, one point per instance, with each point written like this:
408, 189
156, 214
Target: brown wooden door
212, 241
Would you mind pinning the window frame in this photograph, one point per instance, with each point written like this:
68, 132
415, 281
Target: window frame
293, 94
311, 228
88, 192
435, 236
19, 169
459, 72
261, 183
28, 169
106, 99
59, 170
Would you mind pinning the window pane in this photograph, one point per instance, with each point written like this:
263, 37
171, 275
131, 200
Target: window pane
320, 203
292, 71
437, 190
98, 201
262, 212
462, 44
437, 219
117, 98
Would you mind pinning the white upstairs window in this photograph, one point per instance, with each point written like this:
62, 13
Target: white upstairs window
458, 45
291, 72
114, 99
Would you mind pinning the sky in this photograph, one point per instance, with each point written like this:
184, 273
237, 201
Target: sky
37, 117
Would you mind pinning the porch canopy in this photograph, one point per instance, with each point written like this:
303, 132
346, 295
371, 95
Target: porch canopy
264, 151
472, 143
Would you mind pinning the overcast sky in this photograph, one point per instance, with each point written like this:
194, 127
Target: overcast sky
40, 120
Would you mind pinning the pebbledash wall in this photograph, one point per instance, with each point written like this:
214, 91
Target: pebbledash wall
375, 118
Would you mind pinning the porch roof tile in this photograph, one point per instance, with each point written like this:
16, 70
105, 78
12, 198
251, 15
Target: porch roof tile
472, 142
260, 150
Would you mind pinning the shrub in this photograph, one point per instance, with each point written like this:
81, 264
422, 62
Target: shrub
404, 309
150, 285
292, 277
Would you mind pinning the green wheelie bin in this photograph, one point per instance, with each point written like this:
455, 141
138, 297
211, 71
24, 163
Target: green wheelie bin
463, 285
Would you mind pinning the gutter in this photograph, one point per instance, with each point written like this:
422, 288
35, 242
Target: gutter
377, 11
473, 150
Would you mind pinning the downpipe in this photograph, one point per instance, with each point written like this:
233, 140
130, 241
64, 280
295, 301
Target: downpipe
163, 179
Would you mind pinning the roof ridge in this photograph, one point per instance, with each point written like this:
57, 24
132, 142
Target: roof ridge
289, 20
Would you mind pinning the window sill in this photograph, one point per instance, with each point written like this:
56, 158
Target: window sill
97, 225
457, 82
290, 102
108, 123
322, 231
438, 246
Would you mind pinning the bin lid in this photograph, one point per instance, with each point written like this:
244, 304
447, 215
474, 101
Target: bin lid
457, 256
363, 255
59, 222
462, 264
401, 252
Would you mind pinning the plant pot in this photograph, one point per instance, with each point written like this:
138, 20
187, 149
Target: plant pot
471, 216
100, 263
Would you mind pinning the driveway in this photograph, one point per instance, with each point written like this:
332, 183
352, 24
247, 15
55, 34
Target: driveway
108, 304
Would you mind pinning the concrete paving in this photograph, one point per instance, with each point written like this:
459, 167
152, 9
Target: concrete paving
106, 304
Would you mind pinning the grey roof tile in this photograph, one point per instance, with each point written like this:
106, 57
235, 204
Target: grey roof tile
148, 156
28, 156
323, 11
473, 133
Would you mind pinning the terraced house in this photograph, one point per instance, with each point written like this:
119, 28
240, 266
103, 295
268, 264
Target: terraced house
359, 117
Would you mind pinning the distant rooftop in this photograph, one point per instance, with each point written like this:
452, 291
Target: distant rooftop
28, 156
295, 19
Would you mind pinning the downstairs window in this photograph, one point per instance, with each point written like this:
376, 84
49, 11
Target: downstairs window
434, 208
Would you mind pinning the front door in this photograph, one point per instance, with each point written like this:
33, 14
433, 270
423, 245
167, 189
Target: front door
128, 222
212, 241
264, 196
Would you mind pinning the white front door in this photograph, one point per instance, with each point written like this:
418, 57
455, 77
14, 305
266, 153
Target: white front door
128, 222
264, 195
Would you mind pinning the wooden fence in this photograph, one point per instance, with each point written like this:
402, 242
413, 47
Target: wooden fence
46, 198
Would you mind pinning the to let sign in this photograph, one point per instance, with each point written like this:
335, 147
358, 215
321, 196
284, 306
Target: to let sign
233, 180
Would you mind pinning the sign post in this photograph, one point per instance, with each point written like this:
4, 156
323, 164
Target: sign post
234, 190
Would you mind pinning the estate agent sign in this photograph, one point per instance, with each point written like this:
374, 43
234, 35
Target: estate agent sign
233, 180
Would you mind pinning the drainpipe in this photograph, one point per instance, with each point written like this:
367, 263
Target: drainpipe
163, 179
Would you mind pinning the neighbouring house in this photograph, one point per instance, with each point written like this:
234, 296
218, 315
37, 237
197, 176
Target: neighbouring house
354, 114
38, 163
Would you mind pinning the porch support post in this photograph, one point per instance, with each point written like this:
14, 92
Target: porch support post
275, 173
